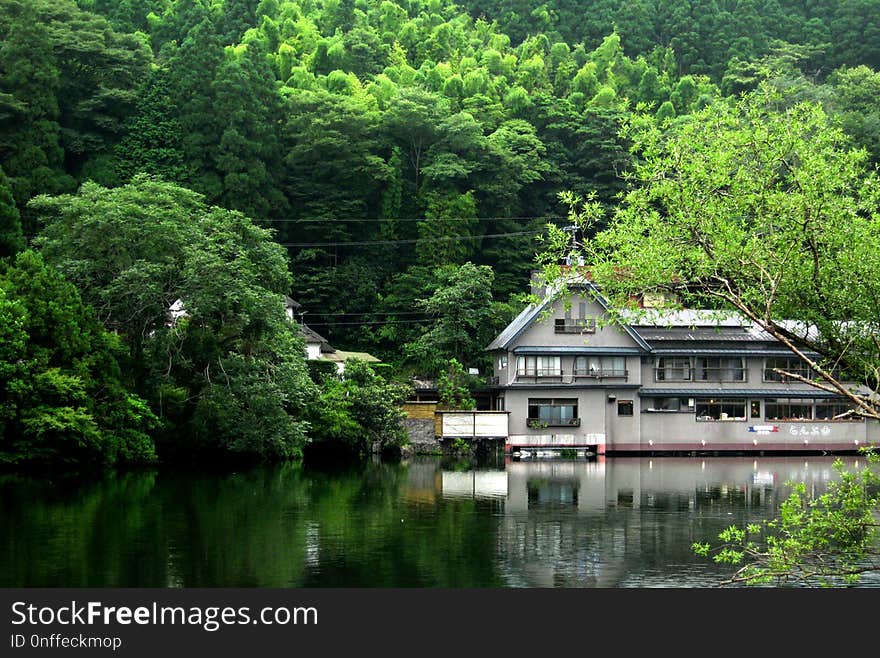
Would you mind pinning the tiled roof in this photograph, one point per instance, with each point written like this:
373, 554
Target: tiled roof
721, 351
736, 393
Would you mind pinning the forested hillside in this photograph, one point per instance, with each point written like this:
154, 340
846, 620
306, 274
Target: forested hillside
387, 144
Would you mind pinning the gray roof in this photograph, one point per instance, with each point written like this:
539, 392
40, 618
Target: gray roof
708, 334
577, 349
684, 318
736, 393
519, 323
744, 351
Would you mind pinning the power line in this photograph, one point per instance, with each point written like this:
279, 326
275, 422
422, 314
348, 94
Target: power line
363, 243
409, 219
365, 322
325, 315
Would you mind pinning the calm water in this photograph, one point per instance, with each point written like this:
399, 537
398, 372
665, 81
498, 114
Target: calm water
623, 522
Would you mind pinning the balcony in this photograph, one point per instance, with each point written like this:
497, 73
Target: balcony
602, 373
540, 423
546, 374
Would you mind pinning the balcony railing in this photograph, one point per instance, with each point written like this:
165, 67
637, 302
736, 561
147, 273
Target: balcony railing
540, 372
700, 375
600, 373
537, 423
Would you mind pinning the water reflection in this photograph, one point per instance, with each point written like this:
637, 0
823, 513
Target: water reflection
629, 522
624, 522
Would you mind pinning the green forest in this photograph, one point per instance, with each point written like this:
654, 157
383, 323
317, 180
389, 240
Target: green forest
389, 165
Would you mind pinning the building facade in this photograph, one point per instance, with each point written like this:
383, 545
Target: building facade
684, 381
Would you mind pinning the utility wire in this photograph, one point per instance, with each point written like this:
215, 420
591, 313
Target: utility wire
408, 219
363, 243
326, 315
364, 323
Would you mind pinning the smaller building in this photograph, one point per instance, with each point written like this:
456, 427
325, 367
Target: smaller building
318, 348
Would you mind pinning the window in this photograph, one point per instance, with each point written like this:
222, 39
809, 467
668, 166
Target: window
538, 366
502, 362
721, 409
835, 410
669, 404
673, 369
553, 412
720, 369
792, 365
579, 326
624, 407
600, 366
788, 409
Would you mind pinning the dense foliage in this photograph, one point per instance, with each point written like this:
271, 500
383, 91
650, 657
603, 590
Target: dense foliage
196, 294
382, 139
358, 413
63, 398
404, 154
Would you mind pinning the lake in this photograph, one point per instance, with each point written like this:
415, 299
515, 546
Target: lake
618, 522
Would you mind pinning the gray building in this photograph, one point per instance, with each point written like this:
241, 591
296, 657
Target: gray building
670, 381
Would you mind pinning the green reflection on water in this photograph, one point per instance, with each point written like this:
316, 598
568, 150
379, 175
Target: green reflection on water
426, 523
273, 526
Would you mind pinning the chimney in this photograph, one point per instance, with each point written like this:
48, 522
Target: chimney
537, 284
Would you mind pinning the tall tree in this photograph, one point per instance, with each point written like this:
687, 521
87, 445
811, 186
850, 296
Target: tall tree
11, 238
762, 209
62, 396
248, 155
465, 319
196, 292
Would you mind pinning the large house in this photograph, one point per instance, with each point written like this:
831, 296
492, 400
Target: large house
683, 381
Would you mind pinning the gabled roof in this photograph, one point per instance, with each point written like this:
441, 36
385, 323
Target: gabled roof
529, 314
313, 336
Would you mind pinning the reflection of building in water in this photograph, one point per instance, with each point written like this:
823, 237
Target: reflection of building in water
607, 522
422, 480
477, 484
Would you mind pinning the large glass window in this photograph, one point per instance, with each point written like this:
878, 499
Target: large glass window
538, 366
669, 404
673, 369
788, 409
721, 409
600, 366
791, 365
835, 410
553, 412
720, 369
